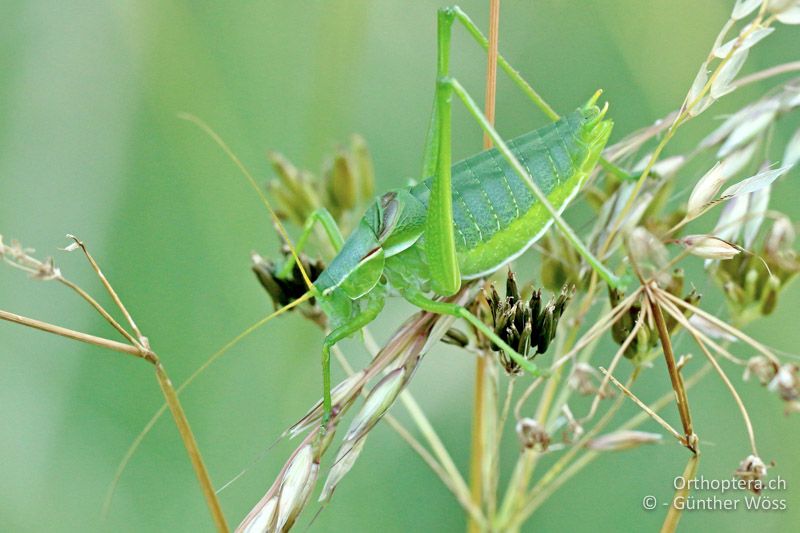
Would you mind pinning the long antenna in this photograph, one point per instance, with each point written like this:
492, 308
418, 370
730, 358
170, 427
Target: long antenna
278, 224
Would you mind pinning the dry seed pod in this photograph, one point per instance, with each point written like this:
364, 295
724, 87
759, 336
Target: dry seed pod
705, 191
532, 435
347, 389
752, 470
622, 440
755, 183
584, 379
743, 8
710, 247
294, 486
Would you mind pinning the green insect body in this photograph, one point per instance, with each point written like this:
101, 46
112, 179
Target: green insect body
495, 215
463, 222
495, 218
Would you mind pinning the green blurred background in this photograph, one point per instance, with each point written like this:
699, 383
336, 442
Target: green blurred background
90, 144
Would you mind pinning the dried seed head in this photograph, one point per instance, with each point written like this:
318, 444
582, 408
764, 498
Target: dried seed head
792, 153
757, 205
573, 431
263, 520
341, 183
348, 183
762, 368
667, 167
584, 379
710, 247
779, 6
787, 383
525, 325
20, 257
755, 183
791, 15
723, 83
380, 398
286, 288
710, 329
780, 237
752, 470
622, 440
347, 389
749, 41
743, 8
364, 166
532, 435
294, 487
732, 219
295, 191
706, 190
345, 459
695, 90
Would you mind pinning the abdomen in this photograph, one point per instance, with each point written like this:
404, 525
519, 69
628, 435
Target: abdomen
495, 215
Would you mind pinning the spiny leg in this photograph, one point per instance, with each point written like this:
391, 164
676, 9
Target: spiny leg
448, 308
324, 218
462, 17
367, 315
459, 15
439, 231
440, 243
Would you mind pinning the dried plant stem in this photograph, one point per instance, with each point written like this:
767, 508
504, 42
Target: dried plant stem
190, 444
100, 309
599, 327
674, 374
458, 489
728, 384
652, 414
682, 116
523, 470
682, 320
77, 335
525, 395
129, 453
114, 296
424, 426
640, 320
554, 473
168, 390
480, 428
501, 422
763, 350
477, 447
589, 455
674, 514
777, 70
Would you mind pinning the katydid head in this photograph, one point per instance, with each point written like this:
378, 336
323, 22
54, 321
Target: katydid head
387, 228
